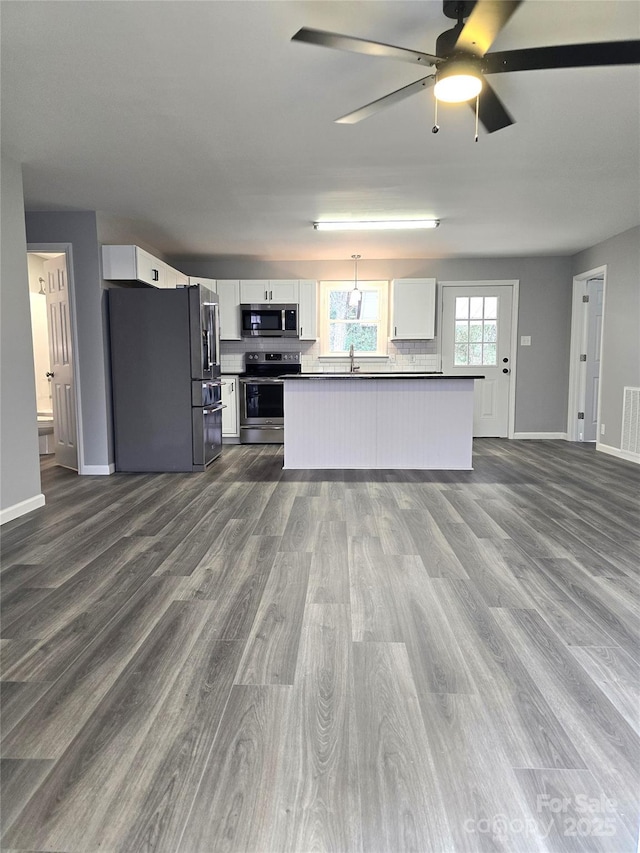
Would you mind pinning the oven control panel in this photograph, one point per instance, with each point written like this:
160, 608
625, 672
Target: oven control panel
285, 358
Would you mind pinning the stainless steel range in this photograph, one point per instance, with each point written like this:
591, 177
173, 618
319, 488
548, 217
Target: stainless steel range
262, 395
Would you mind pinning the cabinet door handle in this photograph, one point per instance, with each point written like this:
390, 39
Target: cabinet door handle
154, 275
270, 295
266, 295
395, 331
300, 331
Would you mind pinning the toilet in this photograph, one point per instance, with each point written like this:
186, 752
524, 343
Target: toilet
45, 433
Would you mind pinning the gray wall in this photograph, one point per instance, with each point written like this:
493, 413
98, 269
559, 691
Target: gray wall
544, 312
18, 427
118, 230
80, 230
621, 327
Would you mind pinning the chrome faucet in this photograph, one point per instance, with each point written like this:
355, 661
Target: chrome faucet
354, 366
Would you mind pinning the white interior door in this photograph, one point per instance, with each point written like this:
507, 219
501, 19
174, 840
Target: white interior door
595, 290
62, 380
476, 338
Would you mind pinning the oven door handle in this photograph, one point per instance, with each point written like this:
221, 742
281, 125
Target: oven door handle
263, 380
213, 411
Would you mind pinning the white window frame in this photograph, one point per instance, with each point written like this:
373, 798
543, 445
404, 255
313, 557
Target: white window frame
382, 287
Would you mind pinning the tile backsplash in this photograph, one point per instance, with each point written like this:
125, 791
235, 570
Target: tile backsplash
404, 356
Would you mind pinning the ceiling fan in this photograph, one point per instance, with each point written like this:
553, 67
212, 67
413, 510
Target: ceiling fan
461, 60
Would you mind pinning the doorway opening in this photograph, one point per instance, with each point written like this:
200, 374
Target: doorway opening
583, 417
53, 352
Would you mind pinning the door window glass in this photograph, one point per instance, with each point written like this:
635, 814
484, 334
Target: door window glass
476, 331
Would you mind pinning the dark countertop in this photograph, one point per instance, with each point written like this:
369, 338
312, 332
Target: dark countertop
358, 375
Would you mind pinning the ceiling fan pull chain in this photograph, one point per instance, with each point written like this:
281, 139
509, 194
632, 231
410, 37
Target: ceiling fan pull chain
436, 126
477, 109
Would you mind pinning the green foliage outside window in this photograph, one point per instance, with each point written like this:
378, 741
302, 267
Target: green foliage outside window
353, 324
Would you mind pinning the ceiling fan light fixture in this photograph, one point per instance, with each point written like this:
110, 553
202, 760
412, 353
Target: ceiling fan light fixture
458, 81
377, 225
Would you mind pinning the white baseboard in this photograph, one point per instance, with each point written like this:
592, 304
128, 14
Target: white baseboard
627, 455
548, 436
22, 508
98, 470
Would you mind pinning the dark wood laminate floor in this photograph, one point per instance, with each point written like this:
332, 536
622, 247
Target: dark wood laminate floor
258, 660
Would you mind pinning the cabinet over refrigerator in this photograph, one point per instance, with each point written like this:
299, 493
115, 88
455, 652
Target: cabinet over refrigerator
165, 374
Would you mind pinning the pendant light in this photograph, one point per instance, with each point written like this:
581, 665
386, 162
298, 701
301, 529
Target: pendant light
356, 295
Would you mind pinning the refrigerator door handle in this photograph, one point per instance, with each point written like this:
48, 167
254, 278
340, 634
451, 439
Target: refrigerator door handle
216, 332
209, 352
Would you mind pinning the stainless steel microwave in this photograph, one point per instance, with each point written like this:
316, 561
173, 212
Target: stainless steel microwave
269, 321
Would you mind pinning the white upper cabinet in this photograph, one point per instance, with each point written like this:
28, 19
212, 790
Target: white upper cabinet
170, 277
174, 278
209, 283
308, 311
265, 291
229, 297
131, 263
413, 309
254, 292
284, 291
182, 280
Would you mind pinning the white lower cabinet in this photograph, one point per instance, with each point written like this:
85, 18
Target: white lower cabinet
230, 395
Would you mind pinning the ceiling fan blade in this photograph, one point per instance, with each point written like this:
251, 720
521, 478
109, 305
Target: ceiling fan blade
492, 113
563, 56
386, 101
484, 24
370, 48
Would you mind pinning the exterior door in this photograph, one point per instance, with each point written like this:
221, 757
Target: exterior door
595, 291
476, 338
62, 380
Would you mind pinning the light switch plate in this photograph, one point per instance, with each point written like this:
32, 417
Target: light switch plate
525, 341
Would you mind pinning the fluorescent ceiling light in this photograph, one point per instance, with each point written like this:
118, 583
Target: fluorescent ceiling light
377, 225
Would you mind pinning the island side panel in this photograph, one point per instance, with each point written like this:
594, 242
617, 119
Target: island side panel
330, 423
425, 423
386, 423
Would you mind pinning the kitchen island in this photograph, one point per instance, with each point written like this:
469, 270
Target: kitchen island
378, 420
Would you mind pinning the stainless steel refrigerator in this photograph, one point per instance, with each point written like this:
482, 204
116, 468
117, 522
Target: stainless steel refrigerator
165, 375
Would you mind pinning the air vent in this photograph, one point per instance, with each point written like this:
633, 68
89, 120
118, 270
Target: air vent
631, 420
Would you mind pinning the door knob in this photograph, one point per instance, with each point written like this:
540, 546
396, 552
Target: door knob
49, 375
506, 370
